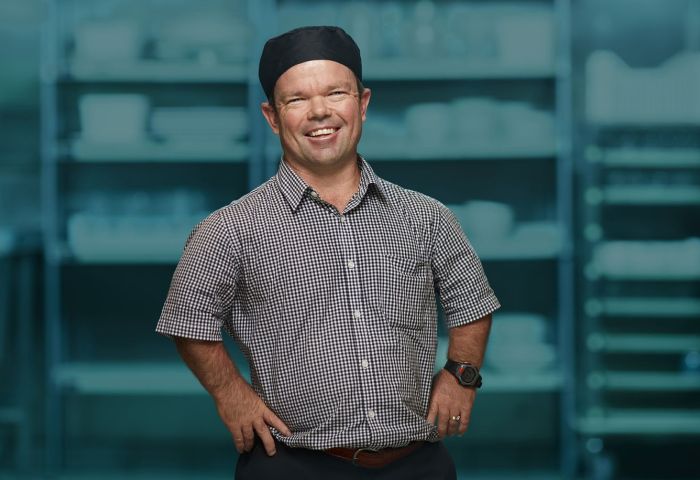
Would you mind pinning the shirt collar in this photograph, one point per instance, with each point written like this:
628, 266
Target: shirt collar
294, 188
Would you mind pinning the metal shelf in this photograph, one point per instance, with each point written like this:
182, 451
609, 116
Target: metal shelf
157, 152
642, 422
652, 277
651, 195
645, 381
392, 150
134, 379
512, 383
441, 69
650, 158
154, 71
650, 306
643, 343
519, 252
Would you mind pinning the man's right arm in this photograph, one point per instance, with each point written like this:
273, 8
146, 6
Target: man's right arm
240, 408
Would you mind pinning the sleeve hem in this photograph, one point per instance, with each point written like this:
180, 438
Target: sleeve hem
487, 306
189, 323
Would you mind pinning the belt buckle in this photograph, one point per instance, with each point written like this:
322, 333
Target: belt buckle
357, 452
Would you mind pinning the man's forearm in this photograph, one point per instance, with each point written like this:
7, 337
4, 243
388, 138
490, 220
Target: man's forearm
468, 342
211, 364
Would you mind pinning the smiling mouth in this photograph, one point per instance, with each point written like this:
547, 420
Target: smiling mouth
322, 132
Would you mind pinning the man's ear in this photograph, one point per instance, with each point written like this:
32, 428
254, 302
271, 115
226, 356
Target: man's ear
364, 102
270, 115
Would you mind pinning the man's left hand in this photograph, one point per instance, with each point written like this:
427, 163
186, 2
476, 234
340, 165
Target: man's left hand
449, 400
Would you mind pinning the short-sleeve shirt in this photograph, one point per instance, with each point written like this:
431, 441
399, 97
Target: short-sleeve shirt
335, 311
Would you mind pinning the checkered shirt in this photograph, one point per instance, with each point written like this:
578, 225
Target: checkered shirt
335, 313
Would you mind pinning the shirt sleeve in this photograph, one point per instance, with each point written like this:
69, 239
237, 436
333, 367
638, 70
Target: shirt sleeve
203, 285
464, 290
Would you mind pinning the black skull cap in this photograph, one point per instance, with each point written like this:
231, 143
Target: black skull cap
302, 45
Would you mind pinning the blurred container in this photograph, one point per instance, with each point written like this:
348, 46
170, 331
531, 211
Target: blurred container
388, 35
516, 327
523, 125
429, 123
108, 41
541, 236
618, 93
487, 220
193, 123
518, 341
475, 119
113, 118
128, 237
133, 226
526, 38
521, 358
295, 14
424, 29
479, 34
358, 19
670, 259
455, 34
205, 37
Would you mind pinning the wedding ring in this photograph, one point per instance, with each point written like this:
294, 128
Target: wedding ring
456, 418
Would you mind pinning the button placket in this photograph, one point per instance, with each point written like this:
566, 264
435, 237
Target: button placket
358, 313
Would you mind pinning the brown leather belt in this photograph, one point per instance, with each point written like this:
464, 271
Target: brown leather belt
369, 458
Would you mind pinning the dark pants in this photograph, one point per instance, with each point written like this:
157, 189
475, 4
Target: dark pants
432, 461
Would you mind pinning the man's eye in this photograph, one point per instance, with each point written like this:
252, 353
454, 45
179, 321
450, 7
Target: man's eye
294, 100
338, 92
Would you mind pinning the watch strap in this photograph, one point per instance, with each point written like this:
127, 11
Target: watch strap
457, 369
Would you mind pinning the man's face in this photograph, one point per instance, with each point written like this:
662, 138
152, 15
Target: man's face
318, 115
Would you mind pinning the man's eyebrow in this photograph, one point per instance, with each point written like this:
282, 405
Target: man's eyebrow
295, 93
298, 93
340, 86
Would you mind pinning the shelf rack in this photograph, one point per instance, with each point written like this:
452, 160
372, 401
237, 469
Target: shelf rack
639, 187
64, 157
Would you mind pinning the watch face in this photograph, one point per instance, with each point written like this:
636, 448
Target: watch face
468, 375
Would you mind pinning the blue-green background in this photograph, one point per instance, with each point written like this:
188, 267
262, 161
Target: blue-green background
565, 135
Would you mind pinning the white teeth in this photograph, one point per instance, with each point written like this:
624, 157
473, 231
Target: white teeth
322, 131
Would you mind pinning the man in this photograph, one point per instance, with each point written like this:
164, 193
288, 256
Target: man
325, 276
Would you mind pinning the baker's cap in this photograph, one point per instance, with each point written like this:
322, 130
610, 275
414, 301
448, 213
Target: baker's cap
303, 44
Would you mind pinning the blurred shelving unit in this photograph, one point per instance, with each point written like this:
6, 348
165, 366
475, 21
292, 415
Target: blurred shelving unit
19, 262
146, 128
639, 373
501, 69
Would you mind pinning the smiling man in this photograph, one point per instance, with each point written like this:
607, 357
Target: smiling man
325, 276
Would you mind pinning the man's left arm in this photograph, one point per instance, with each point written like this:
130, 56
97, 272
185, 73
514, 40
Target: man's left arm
448, 399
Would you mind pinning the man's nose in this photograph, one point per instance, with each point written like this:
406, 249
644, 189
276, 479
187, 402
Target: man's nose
318, 107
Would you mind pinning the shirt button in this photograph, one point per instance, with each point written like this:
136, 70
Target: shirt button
364, 363
342, 218
314, 194
357, 314
371, 414
351, 264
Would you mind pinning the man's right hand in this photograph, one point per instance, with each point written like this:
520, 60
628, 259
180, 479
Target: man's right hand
245, 415
239, 407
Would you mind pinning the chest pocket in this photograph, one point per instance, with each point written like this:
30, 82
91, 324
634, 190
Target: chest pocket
406, 292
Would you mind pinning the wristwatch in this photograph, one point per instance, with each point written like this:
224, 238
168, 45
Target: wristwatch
467, 374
